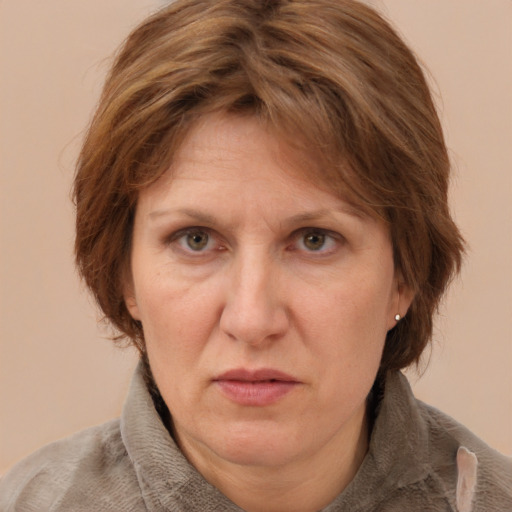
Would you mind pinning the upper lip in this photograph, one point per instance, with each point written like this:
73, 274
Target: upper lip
258, 375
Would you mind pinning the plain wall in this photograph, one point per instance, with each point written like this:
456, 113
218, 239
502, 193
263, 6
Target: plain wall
59, 372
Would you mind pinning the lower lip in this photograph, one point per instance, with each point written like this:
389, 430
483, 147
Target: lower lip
257, 393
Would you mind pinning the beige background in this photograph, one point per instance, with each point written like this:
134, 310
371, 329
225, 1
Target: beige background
59, 374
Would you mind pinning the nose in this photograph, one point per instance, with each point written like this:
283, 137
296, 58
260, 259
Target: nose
255, 310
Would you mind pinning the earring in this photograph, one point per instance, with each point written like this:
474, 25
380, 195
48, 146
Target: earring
397, 316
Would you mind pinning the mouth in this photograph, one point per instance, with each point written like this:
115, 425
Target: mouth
257, 388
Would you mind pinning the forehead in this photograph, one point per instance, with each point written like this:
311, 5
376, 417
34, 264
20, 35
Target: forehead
219, 147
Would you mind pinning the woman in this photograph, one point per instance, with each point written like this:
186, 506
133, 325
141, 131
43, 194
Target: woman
262, 210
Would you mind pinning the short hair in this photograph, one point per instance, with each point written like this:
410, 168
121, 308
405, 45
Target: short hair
330, 74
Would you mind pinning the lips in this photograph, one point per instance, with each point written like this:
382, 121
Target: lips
257, 388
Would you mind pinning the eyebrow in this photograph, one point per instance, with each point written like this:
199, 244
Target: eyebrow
187, 212
301, 218
320, 214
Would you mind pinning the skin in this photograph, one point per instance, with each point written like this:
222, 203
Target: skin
238, 261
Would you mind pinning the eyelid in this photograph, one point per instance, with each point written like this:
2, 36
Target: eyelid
216, 240
337, 237
313, 229
175, 236
178, 233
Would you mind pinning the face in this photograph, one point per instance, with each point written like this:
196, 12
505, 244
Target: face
264, 299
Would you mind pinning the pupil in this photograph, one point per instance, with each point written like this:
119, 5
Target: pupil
314, 241
197, 241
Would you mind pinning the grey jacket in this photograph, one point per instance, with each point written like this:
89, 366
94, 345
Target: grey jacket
415, 463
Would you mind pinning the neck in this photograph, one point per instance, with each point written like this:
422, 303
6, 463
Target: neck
305, 485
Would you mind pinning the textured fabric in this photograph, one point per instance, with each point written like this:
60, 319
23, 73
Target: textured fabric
133, 464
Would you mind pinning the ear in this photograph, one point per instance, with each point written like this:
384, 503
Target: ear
401, 300
130, 299
405, 297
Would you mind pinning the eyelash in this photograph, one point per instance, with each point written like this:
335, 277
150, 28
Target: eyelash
178, 239
332, 239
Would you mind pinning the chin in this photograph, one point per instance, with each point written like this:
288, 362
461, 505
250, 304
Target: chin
257, 445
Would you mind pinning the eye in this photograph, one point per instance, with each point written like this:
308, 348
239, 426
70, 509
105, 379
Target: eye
316, 240
196, 240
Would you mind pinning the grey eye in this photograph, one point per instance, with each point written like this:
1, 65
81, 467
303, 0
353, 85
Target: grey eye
314, 241
197, 240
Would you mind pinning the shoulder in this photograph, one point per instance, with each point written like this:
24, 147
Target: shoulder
74, 474
447, 438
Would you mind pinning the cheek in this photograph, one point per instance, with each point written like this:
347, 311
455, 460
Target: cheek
356, 307
177, 327
346, 329
176, 316
351, 350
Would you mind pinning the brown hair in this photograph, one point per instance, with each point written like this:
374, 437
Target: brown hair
331, 74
